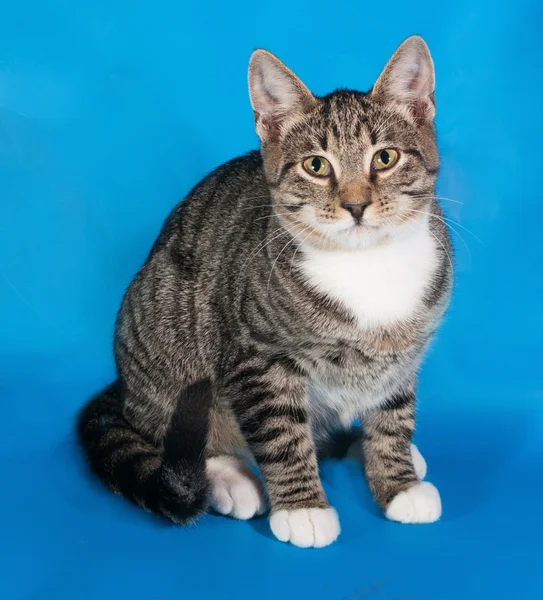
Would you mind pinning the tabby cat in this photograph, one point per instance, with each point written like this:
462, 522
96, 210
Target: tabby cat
293, 292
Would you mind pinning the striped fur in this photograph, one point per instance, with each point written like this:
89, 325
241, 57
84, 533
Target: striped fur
168, 480
230, 341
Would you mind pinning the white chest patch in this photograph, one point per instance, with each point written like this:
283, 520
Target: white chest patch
379, 285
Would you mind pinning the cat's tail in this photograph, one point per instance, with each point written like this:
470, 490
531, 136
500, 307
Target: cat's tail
169, 481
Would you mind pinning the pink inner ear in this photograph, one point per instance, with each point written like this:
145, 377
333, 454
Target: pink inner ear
414, 73
268, 116
268, 102
419, 104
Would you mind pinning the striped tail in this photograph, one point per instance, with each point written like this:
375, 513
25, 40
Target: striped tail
169, 481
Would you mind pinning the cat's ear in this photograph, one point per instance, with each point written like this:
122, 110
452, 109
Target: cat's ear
277, 95
408, 79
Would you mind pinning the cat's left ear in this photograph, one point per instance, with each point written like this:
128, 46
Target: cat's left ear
277, 95
409, 79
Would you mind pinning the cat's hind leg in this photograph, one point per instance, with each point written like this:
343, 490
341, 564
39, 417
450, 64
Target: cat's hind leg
235, 490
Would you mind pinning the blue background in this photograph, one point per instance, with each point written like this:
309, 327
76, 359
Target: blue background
110, 111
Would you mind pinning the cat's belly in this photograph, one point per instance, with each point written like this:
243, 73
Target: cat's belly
337, 407
337, 397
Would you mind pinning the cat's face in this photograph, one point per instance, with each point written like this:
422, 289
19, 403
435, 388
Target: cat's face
348, 170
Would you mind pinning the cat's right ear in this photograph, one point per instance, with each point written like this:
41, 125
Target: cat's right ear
277, 95
408, 79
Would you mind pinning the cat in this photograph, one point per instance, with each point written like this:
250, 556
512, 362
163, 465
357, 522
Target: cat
292, 292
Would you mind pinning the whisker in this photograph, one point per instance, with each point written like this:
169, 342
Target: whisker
447, 222
432, 196
261, 245
449, 199
275, 262
298, 247
257, 206
464, 242
449, 226
465, 229
255, 197
436, 239
326, 237
271, 215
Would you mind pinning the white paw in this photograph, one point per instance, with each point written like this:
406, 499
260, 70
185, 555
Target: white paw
418, 462
235, 490
419, 504
306, 527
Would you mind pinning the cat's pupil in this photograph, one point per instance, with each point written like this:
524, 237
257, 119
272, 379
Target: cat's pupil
385, 157
316, 165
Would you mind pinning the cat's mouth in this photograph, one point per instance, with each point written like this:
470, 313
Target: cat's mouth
352, 235
363, 226
344, 233
349, 225
358, 228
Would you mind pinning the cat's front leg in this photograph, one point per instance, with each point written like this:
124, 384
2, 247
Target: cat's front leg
389, 459
271, 404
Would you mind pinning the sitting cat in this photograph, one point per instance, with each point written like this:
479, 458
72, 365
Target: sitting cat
292, 292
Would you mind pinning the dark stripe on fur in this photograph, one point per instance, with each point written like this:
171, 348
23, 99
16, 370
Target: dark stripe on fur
169, 481
398, 400
387, 448
285, 169
418, 155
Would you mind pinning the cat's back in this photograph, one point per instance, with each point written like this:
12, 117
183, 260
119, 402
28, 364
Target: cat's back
215, 206
178, 282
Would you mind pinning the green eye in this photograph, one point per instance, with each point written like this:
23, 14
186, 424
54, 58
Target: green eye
384, 159
318, 166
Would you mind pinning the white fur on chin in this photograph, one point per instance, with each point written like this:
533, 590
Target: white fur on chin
380, 284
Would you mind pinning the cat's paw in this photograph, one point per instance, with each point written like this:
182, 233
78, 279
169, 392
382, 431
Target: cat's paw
418, 462
235, 490
418, 504
306, 527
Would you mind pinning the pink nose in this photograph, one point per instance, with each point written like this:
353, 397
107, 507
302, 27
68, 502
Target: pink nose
356, 210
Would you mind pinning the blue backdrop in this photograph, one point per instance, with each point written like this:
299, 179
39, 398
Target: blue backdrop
110, 111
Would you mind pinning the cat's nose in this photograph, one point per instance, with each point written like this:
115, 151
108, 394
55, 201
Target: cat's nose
356, 210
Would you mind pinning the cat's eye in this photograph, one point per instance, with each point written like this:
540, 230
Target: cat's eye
318, 166
384, 159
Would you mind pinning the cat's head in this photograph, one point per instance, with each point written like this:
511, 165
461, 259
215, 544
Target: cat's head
349, 169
